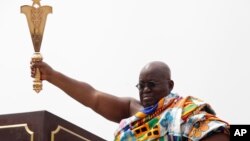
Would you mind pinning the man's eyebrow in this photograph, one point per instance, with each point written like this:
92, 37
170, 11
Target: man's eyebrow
151, 80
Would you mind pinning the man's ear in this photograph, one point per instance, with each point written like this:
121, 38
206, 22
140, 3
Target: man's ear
171, 85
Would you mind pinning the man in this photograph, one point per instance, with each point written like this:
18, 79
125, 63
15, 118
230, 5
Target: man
159, 115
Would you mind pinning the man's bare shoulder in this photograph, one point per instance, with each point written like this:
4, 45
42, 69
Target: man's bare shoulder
135, 105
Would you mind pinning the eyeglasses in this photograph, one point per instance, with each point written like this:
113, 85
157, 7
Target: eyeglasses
149, 84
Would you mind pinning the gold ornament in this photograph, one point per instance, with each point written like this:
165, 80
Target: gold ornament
36, 16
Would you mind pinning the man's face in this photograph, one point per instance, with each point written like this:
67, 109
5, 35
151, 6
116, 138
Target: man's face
153, 85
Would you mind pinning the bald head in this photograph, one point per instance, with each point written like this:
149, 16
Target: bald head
159, 68
154, 83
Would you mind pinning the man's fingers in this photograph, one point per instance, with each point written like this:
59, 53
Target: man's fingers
31, 62
33, 70
33, 66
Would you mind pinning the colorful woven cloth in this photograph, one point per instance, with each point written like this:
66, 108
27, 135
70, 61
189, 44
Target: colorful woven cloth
173, 118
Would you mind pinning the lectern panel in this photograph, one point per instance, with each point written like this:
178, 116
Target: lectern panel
16, 132
61, 134
41, 126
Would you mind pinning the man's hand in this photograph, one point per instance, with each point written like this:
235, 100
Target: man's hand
45, 70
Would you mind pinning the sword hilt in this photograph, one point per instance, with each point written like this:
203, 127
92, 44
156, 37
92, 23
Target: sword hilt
37, 82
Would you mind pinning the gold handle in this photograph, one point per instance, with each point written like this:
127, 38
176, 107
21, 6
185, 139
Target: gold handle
37, 82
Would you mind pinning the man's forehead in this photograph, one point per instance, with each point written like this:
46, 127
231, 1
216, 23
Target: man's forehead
151, 75
150, 68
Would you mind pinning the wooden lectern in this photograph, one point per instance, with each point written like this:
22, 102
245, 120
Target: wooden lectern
41, 126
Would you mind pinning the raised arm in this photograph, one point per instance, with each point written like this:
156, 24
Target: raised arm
111, 107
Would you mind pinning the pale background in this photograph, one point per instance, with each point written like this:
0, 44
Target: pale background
107, 42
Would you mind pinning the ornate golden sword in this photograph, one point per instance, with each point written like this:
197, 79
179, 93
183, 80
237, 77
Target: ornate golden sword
36, 16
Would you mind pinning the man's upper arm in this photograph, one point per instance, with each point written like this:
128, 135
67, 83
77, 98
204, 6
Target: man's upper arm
111, 107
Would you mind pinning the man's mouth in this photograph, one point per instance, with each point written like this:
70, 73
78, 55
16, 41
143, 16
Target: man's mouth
147, 100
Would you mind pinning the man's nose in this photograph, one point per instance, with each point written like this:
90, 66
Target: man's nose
146, 89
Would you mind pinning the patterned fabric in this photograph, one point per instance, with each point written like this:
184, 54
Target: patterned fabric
173, 118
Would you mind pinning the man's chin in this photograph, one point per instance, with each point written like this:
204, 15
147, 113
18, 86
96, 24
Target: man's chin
146, 105
148, 102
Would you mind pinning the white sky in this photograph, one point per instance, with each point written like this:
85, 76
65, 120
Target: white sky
107, 42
